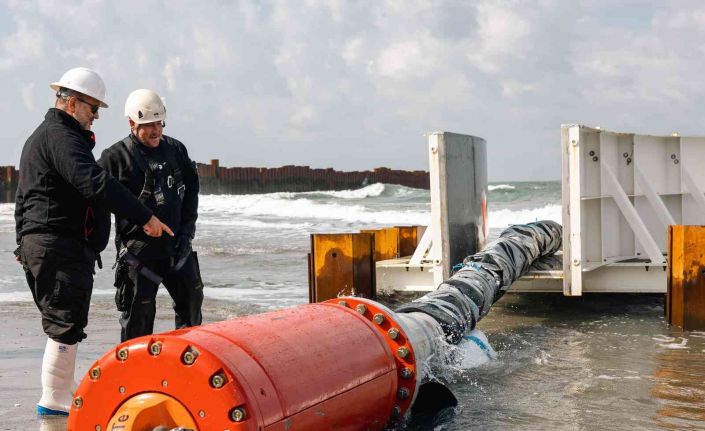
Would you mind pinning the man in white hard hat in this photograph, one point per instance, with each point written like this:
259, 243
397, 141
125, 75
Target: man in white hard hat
62, 224
158, 170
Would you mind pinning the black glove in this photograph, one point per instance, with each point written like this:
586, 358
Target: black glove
125, 289
183, 246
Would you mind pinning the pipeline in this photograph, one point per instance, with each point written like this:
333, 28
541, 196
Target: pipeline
466, 297
345, 364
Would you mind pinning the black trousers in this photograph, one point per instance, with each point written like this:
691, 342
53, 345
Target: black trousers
136, 296
59, 272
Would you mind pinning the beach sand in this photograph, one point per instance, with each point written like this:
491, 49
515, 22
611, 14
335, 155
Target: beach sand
23, 347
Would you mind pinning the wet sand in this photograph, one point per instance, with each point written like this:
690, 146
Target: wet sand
594, 362
23, 347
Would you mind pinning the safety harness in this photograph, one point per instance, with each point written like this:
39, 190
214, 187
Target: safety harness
156, 176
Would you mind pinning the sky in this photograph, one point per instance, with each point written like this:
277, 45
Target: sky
358, 84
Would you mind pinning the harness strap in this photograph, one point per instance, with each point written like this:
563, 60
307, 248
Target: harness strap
174, 178
143, 164
149, 179
178, 177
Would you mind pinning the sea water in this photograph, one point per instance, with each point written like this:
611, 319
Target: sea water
594, 362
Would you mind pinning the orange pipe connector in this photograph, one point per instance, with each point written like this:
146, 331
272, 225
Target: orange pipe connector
345, 365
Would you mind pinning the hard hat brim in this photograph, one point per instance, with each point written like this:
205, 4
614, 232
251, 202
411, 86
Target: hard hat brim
56, 85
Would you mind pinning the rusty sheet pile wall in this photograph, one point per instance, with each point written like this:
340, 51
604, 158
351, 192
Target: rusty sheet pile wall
8, 183
219, 180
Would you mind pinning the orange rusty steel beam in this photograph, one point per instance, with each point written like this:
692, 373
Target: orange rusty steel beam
347, 364
408, 240
685, 294
386, 242
342, 264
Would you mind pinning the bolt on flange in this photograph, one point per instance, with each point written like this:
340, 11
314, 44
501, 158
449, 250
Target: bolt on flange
396, 411
393, 333
403, 352
95, 373
403, 393
155, 348
218, 380
378, 318
189, 356
406, 373
238, 414
360, 308
122, 354
78, 402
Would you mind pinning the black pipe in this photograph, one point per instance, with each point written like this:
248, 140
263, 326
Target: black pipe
466, 297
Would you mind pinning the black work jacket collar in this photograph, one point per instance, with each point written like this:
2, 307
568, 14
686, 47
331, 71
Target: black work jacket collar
56, 115
135, 148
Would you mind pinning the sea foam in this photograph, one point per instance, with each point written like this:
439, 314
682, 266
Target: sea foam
233, 209
371, 191
505, 217
226, 206
492, 187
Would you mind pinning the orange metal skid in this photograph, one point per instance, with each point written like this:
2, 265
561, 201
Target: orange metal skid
312, 367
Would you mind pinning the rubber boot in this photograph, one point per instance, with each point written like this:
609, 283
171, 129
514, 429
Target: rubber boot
57, 378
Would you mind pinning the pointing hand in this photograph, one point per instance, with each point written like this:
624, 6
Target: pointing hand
155, 228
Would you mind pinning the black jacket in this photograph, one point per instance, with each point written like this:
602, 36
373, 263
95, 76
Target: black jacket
63, 191
128, 166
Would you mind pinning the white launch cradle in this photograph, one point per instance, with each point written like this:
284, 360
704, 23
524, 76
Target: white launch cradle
620, 191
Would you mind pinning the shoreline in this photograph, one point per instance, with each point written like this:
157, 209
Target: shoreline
24, 341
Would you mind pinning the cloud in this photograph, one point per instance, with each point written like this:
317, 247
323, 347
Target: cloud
355, 85
511, 87
502, 34
27, 93
303, 116
352, 51
404, 59
21, 48
171, 69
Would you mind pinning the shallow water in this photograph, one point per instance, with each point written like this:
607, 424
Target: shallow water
594, 362
597, 362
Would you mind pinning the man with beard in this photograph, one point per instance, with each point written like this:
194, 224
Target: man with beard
158, 170
62, 224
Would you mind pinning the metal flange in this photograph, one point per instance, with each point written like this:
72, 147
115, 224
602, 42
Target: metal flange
182, 371
384, 321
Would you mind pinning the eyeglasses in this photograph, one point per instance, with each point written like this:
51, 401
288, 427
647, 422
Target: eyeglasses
94, 108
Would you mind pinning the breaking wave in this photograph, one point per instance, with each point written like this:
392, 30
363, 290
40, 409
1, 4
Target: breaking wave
505, 217
493, 187
230, 207
371, 191
238, 211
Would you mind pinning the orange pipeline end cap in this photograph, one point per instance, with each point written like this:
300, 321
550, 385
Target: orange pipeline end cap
150, 410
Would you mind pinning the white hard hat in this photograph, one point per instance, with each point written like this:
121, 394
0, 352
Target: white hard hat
145, 106
85, 81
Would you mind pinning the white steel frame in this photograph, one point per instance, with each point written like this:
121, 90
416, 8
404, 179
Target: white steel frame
620, 191
424, 270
